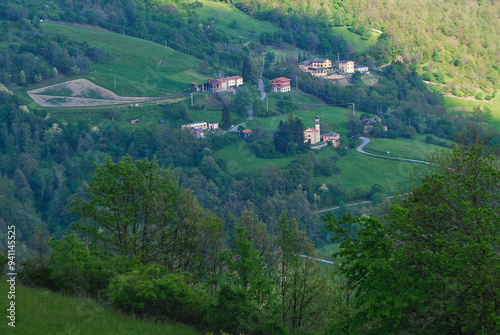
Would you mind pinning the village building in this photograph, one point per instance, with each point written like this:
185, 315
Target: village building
245, 133
321, 62
196, 125
233, 82
213, 125
318, 67
368, 123
134, 120
362, 68
313, 134
220, 85
331, 137
346, 66
319, 72
281, 84
199, 134
305, 65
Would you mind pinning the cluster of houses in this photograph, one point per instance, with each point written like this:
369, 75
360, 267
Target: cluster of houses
322, 67
199, 128
314, 136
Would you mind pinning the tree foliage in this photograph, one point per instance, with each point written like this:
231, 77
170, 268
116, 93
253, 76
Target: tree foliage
431, 264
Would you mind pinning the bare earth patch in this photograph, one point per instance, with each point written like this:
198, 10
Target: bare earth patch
79, 93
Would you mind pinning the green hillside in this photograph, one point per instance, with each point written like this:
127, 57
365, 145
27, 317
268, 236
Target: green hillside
232, 20
451, 43
44, 312
142, 68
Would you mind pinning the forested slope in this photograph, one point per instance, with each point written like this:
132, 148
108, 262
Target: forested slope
452, 42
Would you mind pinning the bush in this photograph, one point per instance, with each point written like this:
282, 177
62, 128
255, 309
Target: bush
73, 269
153, 291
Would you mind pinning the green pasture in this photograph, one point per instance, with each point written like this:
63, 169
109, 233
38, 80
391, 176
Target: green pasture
225, 14
458, 105
44, 312
240, 158
358, 170
404, 147
306, 109
138, 67
354, 39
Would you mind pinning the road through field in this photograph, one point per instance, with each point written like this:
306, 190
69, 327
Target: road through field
367, 140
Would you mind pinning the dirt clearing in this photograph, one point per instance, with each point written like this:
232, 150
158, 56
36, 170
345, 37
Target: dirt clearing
80, 93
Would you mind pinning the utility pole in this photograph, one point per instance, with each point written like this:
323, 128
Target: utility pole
353, 109
114, 76
192, 94
296, 82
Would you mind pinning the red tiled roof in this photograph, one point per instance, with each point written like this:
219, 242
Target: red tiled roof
246, 131
313, 129
281, 79
234, 77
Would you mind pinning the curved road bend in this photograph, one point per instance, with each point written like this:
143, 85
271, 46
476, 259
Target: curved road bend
367, 140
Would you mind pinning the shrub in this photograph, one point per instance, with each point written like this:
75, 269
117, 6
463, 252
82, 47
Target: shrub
153, 291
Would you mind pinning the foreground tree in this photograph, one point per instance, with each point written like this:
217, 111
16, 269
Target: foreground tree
136, 210
432, 264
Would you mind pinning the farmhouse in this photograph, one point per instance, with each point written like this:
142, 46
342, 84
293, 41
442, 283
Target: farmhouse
362, 68
321, 62
331, 137
213, 125
196, 125
368, 123
281, 84
245, 133
319, 71
317, 67
234, 82
346, 66
313, 134
134, 120
305, 65
220, 85
199, 134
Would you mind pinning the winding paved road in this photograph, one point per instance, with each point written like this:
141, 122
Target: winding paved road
367, 140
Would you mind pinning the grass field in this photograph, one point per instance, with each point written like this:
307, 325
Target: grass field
43, 312
457, 105
240, 158
354, 39
141, 68
358, 170
404, 148
225, 14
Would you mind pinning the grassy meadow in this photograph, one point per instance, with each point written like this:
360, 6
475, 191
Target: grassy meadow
44, 312
355, 40
223, 15
141, 68
459, 105
358, 170
404, 147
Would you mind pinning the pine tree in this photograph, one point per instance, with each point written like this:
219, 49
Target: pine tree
226, 117
249, 71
